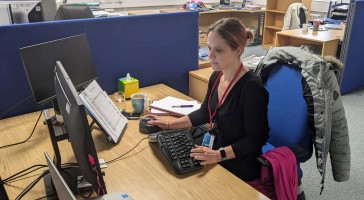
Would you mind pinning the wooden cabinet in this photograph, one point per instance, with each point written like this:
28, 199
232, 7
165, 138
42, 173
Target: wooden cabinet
198, 83
274, 15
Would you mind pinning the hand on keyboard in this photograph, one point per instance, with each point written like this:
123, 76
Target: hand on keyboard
176, 146
205, 155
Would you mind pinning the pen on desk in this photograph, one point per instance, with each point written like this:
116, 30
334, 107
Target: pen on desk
182, 106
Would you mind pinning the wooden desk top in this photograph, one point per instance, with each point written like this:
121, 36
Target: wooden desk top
321, 36
144, 173
204, 64
202, 74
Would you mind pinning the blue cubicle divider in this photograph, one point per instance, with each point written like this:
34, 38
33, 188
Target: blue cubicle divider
158, 48
352, 48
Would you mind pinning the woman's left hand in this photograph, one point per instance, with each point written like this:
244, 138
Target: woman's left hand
205, 154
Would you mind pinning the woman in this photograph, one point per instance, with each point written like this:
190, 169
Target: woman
235, 105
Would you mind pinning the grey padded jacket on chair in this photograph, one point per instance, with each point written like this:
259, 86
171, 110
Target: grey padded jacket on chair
331, 131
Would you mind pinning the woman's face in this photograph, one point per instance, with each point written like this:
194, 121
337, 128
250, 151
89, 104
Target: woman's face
221, 55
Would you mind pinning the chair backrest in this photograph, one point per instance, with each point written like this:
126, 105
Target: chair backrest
302, 16
73, 11
287, 109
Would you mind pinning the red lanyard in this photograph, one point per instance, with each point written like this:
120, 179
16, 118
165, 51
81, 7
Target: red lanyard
212, 115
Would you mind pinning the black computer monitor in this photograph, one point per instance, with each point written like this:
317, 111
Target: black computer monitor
5, 14
28, 11
224, 2
39, 61
74, 116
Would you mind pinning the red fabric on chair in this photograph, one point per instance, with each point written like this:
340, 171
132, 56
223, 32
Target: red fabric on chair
280, 180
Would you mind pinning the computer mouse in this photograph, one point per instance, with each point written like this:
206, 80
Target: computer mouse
146, 128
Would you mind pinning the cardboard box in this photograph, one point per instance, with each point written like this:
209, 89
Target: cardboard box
128, 87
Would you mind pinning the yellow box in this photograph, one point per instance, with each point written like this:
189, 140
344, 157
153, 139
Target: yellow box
128, 87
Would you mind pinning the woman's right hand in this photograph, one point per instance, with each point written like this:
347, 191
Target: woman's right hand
157, 120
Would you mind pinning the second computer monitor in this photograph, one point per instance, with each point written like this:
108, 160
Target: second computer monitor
39, 60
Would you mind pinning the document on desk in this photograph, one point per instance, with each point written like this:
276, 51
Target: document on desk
104, 111
175, 106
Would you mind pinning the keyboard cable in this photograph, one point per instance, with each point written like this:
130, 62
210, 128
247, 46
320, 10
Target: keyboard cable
116, 159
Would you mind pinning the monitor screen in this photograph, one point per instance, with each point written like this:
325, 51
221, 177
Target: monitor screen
77, 127
5, 14
39, 60
63, 191
26, 11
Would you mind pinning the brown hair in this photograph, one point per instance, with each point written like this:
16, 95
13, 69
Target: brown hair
233, 31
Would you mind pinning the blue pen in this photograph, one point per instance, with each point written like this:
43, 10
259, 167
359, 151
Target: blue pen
182, 106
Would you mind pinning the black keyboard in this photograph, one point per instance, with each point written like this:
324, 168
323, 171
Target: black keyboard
176, 146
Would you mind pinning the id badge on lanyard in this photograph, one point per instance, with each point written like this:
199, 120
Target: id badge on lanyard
208, 140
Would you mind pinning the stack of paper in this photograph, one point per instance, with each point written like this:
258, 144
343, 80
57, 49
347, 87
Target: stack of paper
173, 106
252, 6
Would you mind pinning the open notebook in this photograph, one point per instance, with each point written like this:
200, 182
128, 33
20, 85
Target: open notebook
173, 106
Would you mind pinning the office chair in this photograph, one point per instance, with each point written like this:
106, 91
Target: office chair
73, 11
288, 117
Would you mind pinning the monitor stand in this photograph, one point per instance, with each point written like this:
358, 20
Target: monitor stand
71, 174
56, 119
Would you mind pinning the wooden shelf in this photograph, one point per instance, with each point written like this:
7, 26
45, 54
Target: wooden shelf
274, 18
274, 27
277, 11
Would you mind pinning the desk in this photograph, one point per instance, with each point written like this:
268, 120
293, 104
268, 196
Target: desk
144, 173
327, 40
250, 18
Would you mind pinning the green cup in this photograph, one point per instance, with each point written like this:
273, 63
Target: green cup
140, 102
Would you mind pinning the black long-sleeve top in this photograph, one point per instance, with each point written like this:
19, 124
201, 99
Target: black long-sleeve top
241, 121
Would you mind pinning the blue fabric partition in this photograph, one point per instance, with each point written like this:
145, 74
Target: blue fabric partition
351, 53
159, 48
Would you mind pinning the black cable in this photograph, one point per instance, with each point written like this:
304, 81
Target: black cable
12, 107
116, 159
31, 185
15, 176
9, 145
46, 197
